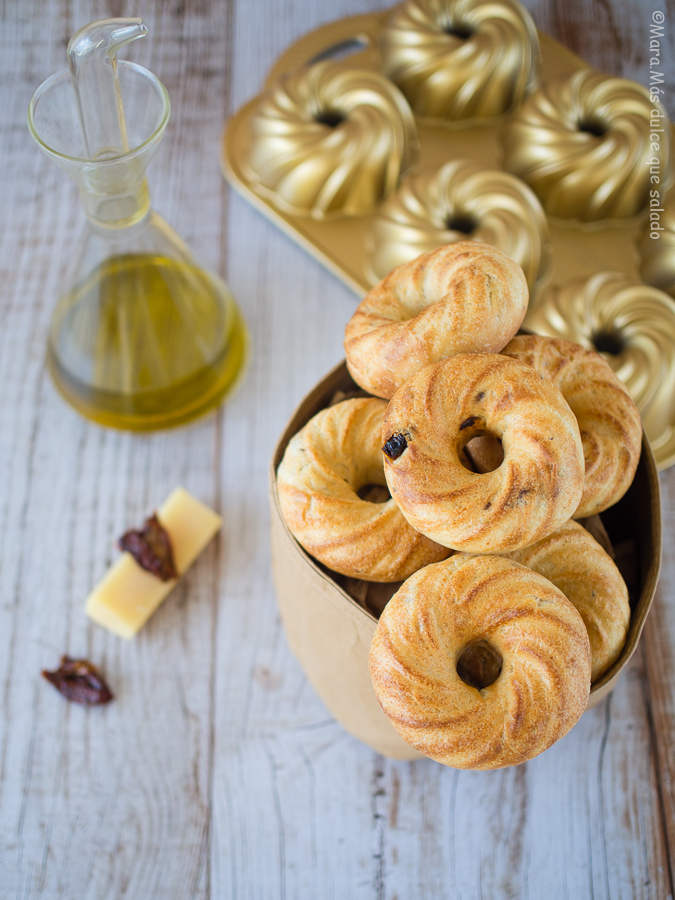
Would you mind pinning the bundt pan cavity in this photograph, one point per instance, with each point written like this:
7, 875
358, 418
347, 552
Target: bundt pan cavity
460, 201
330, 140
582, 142
460, 61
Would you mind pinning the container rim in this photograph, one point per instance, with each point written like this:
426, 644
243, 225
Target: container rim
120, 157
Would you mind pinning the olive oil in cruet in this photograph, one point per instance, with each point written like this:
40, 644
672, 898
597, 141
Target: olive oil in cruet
142, 337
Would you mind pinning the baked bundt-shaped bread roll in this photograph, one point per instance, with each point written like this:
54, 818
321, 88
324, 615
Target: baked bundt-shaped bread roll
520, 646
328, 140
611, 431
440, 409
324, 466
459, 60
582, 143
461, 298
575, 563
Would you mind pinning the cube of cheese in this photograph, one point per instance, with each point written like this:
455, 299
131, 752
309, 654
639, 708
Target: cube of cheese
127, 595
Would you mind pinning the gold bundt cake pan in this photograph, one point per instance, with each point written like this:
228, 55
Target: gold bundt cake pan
330, 633
344, 245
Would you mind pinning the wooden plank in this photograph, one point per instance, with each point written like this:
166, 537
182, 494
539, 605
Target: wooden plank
614, 37
111, 802
290, 787
659, 654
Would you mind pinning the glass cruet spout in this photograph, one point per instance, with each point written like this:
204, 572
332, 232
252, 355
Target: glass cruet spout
142, 336
92, 61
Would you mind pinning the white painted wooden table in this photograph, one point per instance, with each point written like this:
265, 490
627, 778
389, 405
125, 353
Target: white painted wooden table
217, 772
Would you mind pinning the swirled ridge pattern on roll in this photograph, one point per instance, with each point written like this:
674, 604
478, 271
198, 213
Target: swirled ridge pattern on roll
324, 465
575, 563
609, 423
582, 143
439, 410
633, 326
441, 206
461, 298
328, 140
459, 60
545, 677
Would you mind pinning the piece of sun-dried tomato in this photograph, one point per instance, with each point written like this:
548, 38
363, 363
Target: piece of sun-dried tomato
80, 681
151, 548
395, 446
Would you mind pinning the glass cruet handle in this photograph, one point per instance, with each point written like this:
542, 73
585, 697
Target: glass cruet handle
93, 68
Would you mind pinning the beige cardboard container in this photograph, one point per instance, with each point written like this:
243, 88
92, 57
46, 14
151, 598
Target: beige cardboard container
330, 633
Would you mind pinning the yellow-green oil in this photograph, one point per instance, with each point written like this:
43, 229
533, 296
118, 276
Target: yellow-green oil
146, 342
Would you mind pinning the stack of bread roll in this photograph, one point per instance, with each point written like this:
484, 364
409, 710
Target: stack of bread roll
457, 476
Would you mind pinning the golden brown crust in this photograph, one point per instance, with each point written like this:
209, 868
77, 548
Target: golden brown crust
545, 678
609, 422
534, 491
325, 464
576, 564
461, 298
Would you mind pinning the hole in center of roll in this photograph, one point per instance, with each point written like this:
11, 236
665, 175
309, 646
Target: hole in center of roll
479, 665
608, 342
329, 117
482, 454
374, 493
458, 30
463, 224
592, 126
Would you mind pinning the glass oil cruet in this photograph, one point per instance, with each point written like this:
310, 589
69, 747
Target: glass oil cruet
141, 337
